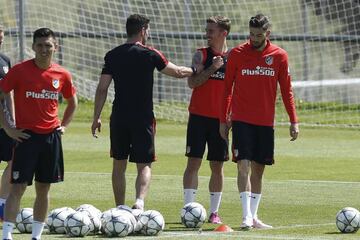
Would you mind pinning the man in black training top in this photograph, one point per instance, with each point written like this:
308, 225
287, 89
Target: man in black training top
132, 123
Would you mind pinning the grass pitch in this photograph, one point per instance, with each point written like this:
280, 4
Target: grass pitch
312, 179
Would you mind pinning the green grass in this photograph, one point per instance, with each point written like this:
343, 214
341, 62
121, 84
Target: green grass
312, 179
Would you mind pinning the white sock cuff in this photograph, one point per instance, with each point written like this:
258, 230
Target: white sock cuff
189, 195
245, 194
9, 224
255, 196
190, 190
216, 193
39, 223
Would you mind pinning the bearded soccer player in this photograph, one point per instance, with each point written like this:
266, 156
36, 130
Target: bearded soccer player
204, 109
253, 71
132, 124
6, 143
37, 84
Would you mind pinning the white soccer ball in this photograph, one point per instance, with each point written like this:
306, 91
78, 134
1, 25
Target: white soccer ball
24, 220
125, 208
116, 226
131, 219
89, 207
193, 215
137, 213
77, 224
56, 218
94, 215
348, 220
106, 216
151, 222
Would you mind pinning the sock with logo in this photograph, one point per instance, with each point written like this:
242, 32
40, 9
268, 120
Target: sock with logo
189, 195
8, 228
215, 199
254, 203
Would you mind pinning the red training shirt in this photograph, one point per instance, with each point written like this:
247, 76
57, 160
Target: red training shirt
251, 80
206, 99
36, 93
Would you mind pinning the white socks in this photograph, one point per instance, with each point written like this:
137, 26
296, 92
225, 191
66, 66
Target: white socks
215, 199
2, 201
245, 200
250, 204
254, 204
8, 228
189, 195
140, 203
37, 229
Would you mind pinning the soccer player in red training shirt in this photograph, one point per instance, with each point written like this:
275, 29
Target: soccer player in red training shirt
253, 72
37, 84
132, 123
204, 108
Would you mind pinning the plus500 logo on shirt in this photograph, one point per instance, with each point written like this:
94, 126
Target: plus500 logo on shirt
44, 94
258, 71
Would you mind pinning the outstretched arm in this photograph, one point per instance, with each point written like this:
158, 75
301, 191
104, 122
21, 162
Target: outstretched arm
177, 71
100, 98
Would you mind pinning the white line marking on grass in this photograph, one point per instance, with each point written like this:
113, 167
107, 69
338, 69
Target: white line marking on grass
237, 234
228, 178
304, 226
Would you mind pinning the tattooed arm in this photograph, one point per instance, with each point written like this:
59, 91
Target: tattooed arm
203, 75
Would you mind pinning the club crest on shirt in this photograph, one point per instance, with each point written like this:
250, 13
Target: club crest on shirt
269, 60
6, 69
56, 83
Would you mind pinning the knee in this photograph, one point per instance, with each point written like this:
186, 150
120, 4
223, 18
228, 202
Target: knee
193, 165
17, 190
216, 168
42, 189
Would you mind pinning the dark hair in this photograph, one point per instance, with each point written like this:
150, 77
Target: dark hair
221, 21
135, 23
260, 21
43, 32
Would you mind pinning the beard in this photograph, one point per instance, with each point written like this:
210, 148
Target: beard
257, 46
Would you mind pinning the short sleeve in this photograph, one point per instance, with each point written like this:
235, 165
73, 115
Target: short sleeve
159, 59
107, 65
8, 83
68, 89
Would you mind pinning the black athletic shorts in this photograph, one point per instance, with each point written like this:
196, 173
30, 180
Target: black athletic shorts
6, 146
40, 155
201, 131
133, 138
253, 142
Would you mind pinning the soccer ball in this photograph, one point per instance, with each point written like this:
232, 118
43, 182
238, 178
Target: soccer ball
193, 215
24, 220
131, 219
116, 226
77, 224
56, 218
137, 213
89, 207
94, 215
106, 216
348, 220
151, 223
